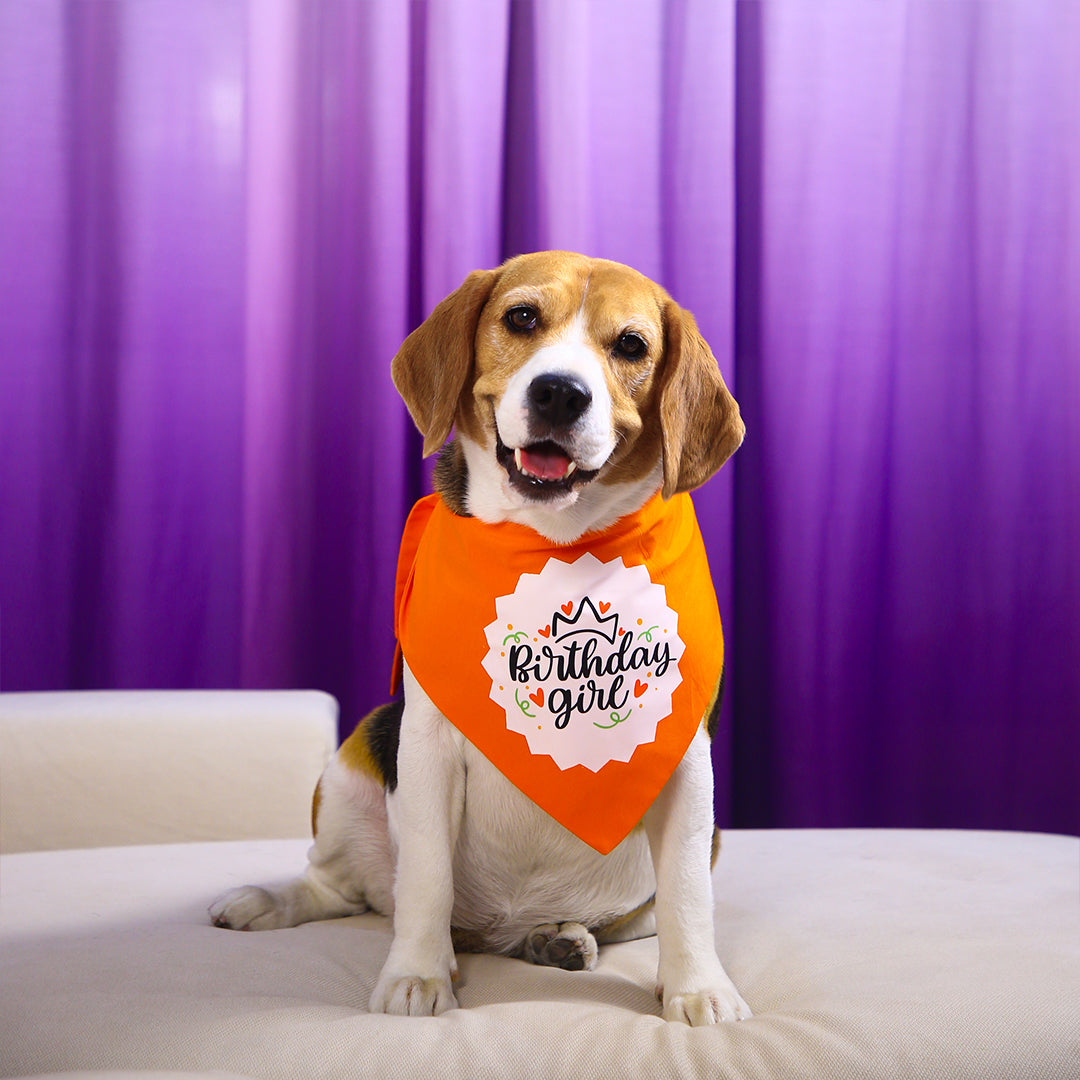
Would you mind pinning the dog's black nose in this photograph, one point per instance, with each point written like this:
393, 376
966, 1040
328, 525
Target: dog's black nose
558, 399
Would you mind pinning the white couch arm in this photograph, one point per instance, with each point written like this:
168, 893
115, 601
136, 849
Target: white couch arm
103, 768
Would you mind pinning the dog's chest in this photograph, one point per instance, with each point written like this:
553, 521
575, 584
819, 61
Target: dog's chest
515, 867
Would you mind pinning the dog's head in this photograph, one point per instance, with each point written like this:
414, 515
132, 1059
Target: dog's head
570, 382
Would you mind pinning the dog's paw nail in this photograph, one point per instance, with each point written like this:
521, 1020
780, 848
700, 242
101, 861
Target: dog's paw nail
413, 995
707, 1007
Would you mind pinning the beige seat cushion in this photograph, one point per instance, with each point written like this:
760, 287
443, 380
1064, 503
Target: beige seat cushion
863, 954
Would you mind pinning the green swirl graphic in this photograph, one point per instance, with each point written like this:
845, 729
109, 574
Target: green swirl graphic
615, 719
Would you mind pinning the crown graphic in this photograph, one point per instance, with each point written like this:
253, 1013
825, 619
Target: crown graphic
586, 620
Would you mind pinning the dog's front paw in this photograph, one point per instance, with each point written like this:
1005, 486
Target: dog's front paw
412, 995
704, 1007
248, 908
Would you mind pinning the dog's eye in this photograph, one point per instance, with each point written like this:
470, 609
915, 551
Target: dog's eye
631, 346
522, 319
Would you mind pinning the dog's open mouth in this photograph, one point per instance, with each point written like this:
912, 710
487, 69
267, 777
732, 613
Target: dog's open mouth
541, 470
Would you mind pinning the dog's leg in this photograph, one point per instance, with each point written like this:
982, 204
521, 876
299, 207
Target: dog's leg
696, 988
350, 865
425, 815
303, 899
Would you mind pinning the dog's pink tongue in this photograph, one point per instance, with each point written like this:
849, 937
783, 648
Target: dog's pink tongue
544, 464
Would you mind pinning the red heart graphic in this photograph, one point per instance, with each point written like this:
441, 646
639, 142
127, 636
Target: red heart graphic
538, 697
640, 687
604, 608
621, 631
546, 631
568, 607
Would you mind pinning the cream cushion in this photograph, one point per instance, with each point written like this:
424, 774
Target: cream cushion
863, 954
137, 767
885, 954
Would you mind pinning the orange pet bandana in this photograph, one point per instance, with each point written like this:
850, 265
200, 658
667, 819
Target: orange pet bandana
581, 671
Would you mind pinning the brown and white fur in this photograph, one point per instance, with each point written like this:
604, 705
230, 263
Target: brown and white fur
576, 388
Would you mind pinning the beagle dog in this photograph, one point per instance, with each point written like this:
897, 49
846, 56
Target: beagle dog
578, 393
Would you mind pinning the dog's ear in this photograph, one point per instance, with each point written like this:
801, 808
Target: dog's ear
433, 364
699, 418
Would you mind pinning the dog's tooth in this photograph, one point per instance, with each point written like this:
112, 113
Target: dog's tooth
517, 459
571, 468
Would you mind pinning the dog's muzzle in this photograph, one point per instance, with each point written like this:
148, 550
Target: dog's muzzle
545, 468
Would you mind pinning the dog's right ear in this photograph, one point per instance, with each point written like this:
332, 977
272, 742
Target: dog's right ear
699, 418
433, 364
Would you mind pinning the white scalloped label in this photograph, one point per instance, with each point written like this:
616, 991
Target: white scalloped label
583, 659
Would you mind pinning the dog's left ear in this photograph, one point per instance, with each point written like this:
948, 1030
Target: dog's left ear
699, 418
433, 364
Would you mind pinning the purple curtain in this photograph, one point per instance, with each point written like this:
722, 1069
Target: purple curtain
908, 516
219, 219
